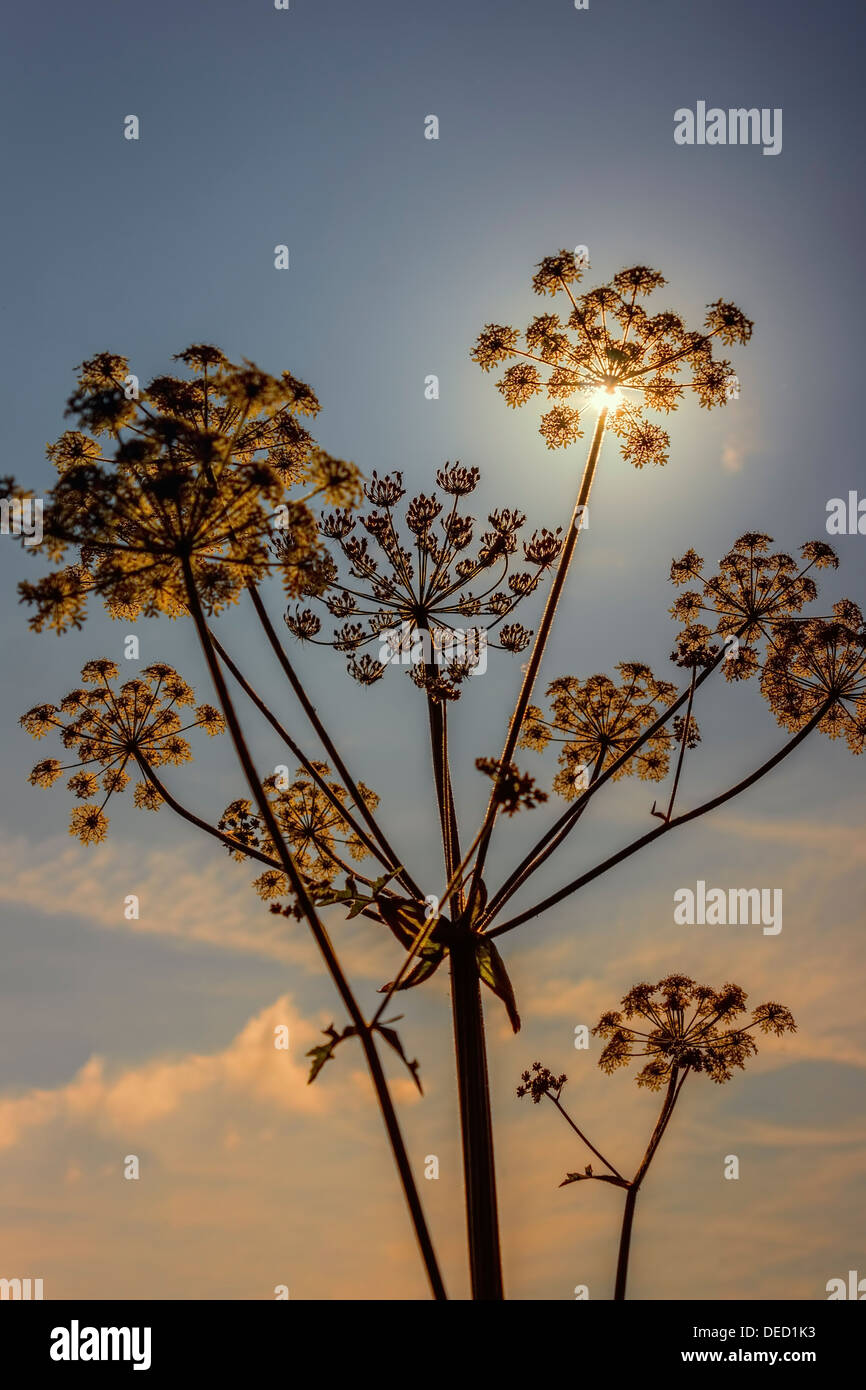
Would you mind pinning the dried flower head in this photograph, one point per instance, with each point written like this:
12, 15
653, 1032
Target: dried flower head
512, 790
318, 836
752, 594
688, 1026
597, 720
430, 596
109, 726
196, 472
821, 665
540, 1082
609, 348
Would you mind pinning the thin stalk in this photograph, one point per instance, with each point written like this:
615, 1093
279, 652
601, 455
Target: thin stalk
326, 741
675, 1085
683, 741
563, 826
321, 938
425, 932
180, 810
297, 752
554, 836
444, 800
453, 832
542, 636
535, 859
600, 1156
666, 826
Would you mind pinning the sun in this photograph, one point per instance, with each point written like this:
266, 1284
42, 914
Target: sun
608, 398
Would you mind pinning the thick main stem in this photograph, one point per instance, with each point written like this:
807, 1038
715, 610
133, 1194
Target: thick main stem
322, 940
470, 1049
476, 1123
542, 635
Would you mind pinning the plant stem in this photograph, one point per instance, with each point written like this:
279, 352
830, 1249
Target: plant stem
554, 836
563, 826
683, 741
321, 937
470, 1050
542, 636
476, 1125
233, 845
675, 1085
308, 766
565, 1115
425, 932
666, 826
624, 1244
325, 738
536, 858
445, 801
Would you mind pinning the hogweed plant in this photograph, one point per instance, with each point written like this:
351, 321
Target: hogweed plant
206, 491
680, 1028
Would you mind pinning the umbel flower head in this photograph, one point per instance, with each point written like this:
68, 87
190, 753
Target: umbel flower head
686, 1026
432, 597
540, 1082
318, 836
610, 349
817, 665
754, 593
597, 720
196, 471
513, 790
106, 727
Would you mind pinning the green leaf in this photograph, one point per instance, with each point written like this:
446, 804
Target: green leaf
480, 903
320, 1055
405, 918
430, 957
491, 968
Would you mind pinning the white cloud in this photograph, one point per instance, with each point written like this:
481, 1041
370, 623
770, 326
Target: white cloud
130, 1101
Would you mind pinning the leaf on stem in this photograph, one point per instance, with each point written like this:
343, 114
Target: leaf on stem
392, 1037
404, 917
325, 1051
406, 920
491, 968
597, 1177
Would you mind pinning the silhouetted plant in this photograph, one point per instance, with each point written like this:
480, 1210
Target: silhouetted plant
110, 728
179, 518
609, 347
689, 1028
411, 601
187, 500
